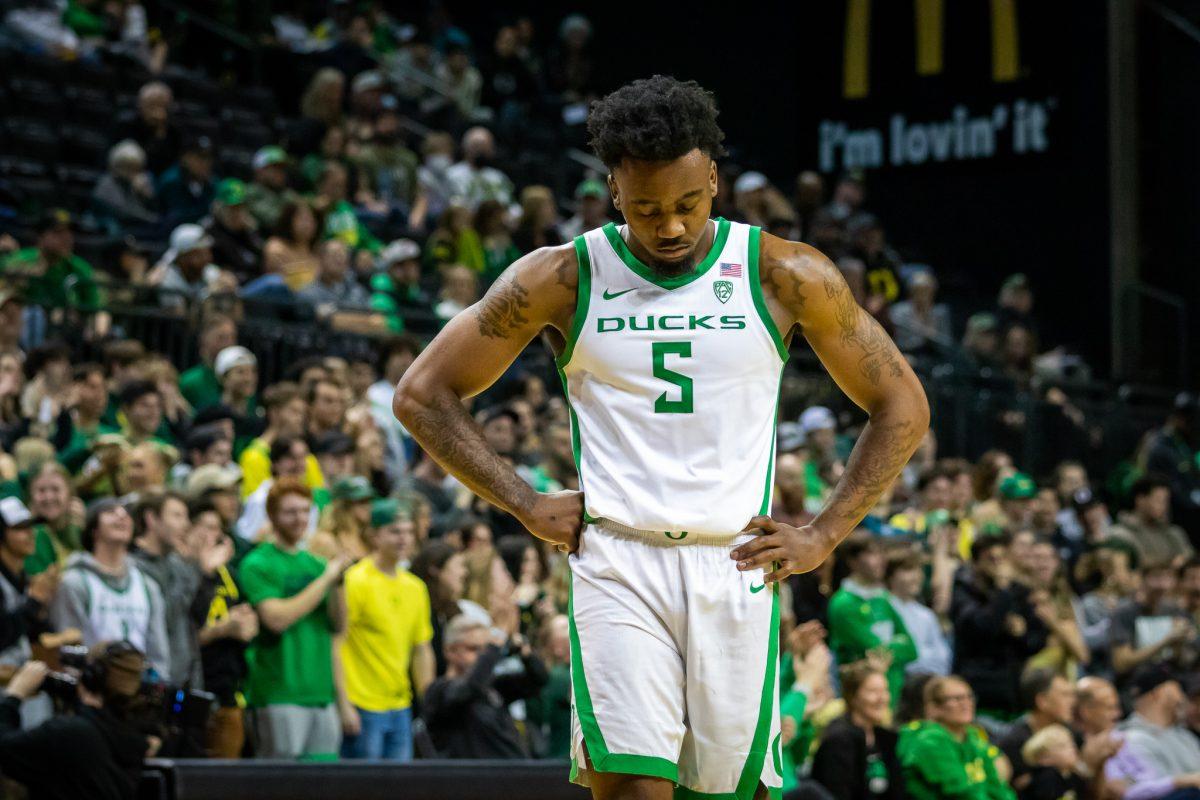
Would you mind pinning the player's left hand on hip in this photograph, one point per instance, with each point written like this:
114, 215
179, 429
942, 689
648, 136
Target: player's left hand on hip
780, 548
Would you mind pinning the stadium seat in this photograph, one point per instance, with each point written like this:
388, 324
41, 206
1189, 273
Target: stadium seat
84, 145
236, 162
36, 96
188, 87
200, 125
90, 105
33, 138
193, 108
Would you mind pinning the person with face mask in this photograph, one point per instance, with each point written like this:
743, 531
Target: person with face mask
475, 179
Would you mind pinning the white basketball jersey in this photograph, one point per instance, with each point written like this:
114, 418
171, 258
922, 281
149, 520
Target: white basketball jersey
673, 385
114, 615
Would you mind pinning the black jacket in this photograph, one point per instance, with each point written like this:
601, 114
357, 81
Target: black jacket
468, 717
840, 764
985, 654
91, 754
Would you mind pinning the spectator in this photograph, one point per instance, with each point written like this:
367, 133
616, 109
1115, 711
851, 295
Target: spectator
1014, 305
454, 240
1170, 451
903, 578
995, 630
162, 552
58, 533
857, 757
443, 570
286, 411
225, 624
460, 290
292, 251
24, 600
1147, 526
390, 169
124, 196
321, 106
236, 242
216, 486
237, 370
1154, 731
187, 189
186, 272
947, 756
592, 199
344, 522
538, 226
151, 127
869, 244
366, 101
396, 285
268, 193
394, 360
570, 67
199, 384
551, 709
1055, 758
51, 275
922, 326
289, 459
326, 407
298, 597
437, 158
462, 82
334, 286
862, 621
105, 596
1150, 627
342, 220
1057, 607
981, 342
474, 178
1049, 700
466, 710
387, 639
510, 85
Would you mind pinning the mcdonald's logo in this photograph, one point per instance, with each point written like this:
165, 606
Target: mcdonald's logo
930, 33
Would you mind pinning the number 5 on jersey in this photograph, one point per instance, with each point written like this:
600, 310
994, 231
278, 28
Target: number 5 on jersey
665, 405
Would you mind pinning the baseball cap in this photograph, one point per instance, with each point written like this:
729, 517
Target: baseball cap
789, 436
367, 81
55, 218
982, 322
271, 154
384, 512
14, 514
1016, 281
1018, 486
591, 188
212, 478
1149, 677
332, 443
817, 418
397, 251
231, 192
230, 357
352, 487
188, 237
750, 181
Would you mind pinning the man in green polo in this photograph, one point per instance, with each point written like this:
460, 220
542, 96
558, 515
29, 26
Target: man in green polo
52, 275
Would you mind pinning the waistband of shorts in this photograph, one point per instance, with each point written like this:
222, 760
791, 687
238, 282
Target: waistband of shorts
665, 538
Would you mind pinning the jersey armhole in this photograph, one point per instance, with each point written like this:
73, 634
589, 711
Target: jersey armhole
756, 292
583, 296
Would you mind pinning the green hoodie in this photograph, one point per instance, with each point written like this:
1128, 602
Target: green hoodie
861, 619
937, 766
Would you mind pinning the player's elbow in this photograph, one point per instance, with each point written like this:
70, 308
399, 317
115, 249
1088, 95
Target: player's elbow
410, 398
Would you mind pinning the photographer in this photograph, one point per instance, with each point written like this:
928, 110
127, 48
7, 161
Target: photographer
94, 753
467, 709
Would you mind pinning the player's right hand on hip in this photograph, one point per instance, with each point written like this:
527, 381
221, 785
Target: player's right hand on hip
557, 517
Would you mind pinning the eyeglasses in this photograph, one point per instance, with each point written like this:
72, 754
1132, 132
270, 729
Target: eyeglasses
957, 698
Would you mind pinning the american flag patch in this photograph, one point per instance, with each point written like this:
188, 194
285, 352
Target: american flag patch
730, 270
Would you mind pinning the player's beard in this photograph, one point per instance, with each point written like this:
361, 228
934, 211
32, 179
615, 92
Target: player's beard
673, 269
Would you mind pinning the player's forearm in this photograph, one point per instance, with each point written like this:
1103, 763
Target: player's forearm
885, 446
439, 422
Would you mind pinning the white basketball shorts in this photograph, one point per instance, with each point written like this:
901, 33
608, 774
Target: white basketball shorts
674, 665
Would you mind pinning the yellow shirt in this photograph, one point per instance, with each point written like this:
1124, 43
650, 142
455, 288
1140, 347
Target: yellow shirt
387, 616
256, 468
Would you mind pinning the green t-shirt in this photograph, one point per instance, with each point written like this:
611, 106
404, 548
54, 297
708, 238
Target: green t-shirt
51, 548
68, 282
858, 624
293, 667
200, 387
939, 767
342, 223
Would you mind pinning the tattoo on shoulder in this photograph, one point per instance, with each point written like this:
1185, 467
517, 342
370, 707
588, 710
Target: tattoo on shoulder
502, 309
860, 329
786, 281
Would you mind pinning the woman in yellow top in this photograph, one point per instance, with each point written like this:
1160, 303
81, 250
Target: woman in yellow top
291, 251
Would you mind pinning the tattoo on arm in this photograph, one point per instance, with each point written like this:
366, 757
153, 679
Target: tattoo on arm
452, 437
786, 280
881, 452
861, 330
502, 310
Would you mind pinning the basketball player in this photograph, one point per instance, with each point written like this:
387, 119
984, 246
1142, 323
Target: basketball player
671, 333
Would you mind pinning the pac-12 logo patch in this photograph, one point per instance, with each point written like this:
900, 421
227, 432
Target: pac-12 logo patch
723, 290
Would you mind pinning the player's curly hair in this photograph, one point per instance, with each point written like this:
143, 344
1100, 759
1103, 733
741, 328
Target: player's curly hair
655, 119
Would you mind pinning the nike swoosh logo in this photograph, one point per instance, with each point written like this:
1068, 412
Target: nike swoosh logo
615, 295
756, 589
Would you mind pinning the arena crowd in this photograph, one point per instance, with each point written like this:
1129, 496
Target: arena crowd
995, 629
